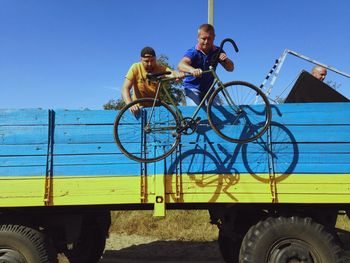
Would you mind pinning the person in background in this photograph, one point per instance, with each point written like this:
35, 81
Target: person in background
136, 78
319, 72
196, 60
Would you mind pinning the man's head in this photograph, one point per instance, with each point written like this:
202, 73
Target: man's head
206, 36
319, 72
148, 58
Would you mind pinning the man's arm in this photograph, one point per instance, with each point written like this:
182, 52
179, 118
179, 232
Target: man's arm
226, 62
127, 97
127, 85
185, 66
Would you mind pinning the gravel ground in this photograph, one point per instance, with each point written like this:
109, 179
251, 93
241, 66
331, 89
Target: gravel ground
139, 249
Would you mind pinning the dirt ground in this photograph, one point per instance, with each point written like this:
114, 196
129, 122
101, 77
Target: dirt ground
138, 249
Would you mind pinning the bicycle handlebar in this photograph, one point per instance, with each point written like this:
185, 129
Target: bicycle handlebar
156, 76
216, 56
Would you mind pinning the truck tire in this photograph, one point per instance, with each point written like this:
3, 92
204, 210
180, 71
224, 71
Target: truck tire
292, 239
22, 244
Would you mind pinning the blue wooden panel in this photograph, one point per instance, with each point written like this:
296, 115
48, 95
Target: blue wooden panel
20, 150
305, 138
93, 148
90, 159
19, 117
84, 134
23, 135
283, 134
81, 117
23, 161
23, 171
311, 133
311, 113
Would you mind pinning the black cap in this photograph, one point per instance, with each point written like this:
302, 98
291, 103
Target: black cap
148, 52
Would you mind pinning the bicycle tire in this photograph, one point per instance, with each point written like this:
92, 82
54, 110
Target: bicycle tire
147, 146
243, 121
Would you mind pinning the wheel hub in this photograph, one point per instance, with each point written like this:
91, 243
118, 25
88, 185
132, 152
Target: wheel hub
11, 256
290, 253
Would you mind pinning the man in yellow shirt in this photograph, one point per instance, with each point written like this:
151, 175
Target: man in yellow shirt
136, 78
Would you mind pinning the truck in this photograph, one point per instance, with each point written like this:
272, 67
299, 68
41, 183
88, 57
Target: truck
275, 199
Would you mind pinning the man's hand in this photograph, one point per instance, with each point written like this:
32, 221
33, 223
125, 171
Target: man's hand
196, 72
135, 110
222, 57
226, 62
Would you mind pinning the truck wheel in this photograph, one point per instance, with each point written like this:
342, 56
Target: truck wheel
21, 244
293, 239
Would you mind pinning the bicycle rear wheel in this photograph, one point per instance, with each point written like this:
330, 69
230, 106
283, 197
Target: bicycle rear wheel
149, 136
239, 112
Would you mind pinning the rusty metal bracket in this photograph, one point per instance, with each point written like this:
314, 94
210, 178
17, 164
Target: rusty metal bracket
272, 175
49, 159
178, 176
143, 166
143, 182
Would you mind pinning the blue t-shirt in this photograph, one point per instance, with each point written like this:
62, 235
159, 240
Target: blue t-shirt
199, 60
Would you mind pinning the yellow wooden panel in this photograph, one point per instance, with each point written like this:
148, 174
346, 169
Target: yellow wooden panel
29, 191
245, 188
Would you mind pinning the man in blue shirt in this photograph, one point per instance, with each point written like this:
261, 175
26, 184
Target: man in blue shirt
198, 59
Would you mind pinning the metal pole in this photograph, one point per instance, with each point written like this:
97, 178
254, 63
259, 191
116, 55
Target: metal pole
211, 12
319, 63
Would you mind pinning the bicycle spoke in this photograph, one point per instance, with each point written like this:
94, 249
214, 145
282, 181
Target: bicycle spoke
239, 112
146, 142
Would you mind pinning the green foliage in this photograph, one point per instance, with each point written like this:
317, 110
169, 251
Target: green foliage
174, 89
114, 104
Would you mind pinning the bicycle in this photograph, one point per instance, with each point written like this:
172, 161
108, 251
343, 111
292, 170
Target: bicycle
237, 111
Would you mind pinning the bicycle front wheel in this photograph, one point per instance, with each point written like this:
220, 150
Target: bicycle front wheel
148, 136
239, 112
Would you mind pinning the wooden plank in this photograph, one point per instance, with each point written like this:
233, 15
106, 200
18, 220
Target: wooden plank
84, 134
312, 113
120, 169
18, 117
83, 117
91, 159
16, 161
23, 135
91, 148
300, 113
23, 171
23, 150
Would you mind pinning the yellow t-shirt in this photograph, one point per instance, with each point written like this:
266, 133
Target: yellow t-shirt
142, 87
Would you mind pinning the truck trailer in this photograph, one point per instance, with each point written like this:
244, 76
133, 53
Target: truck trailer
275, 199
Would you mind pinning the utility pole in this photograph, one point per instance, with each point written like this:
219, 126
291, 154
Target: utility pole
211, 12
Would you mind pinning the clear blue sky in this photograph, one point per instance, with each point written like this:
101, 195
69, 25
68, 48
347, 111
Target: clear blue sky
74, 54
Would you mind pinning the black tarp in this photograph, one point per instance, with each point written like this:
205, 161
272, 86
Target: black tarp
307, 88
